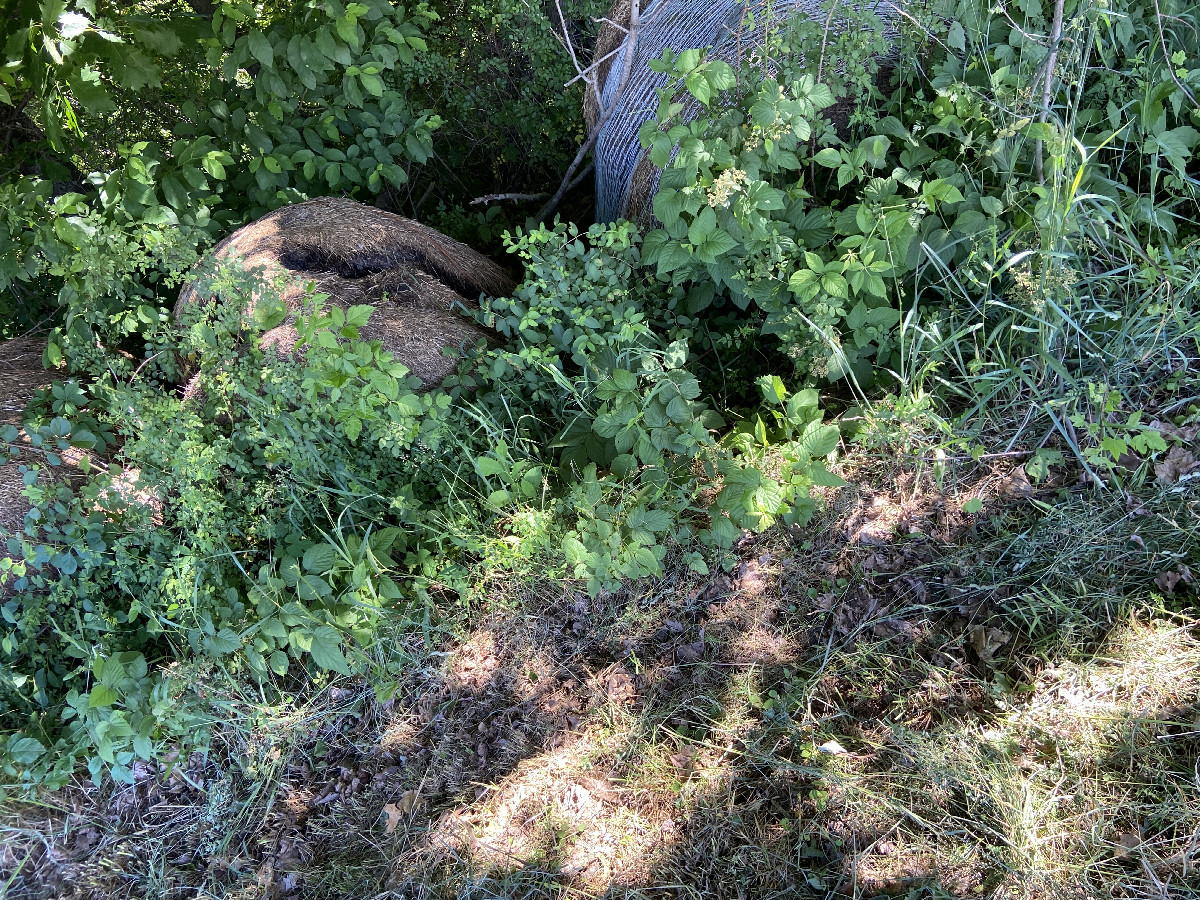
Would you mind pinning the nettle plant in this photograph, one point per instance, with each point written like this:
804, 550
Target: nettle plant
739, 222
599, 365
927, 198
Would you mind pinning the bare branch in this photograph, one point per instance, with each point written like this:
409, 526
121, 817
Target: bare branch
608, 21
594, 66
1048, 80
569, 181
1162, 38
566, 37
496, 198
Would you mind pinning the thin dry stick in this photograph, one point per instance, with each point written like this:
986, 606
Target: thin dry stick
1048, 81
1162, 39
567, 42
594, 66
605, 112
496, 198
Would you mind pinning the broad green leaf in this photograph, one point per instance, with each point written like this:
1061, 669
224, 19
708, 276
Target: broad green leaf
488, 466
625, 380
830, 158
372, 83
320, 558
24, 751
327, 652
279, 662
261, 49
702, 226
223, 642
102, 695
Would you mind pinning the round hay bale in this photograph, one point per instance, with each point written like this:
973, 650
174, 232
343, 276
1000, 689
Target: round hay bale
626, 180
413, 275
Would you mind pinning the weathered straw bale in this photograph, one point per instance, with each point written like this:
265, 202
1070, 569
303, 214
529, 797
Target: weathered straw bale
413, 275
626, 180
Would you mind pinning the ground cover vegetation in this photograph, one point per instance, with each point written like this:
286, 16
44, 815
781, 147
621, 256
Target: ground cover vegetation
835, 535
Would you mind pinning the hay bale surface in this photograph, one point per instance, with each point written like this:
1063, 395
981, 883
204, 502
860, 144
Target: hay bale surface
626, 180
413, 275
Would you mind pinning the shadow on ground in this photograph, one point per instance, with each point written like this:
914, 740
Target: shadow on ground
902, 700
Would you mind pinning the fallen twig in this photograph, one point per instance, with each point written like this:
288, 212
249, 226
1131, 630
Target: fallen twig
496, 198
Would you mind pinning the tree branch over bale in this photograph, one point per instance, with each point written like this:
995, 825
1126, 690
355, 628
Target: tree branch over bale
591, 80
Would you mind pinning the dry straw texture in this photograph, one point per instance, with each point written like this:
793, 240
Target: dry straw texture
413, 275
626, 180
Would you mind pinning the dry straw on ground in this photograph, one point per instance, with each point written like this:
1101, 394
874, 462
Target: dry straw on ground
413, 275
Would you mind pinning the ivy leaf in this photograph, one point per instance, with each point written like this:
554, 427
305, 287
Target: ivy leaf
327, 652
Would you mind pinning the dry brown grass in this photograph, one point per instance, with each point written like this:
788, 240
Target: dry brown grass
884, 704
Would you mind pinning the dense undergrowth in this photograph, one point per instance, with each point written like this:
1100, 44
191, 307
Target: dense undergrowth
994, 261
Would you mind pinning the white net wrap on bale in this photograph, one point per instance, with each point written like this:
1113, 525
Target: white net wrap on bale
414, 276
622, 191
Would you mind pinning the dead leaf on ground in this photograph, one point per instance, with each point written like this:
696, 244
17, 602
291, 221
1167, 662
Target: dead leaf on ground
684, 762
750, 576
720, 588
397, 811
668, 630
619, 687
690, 652
1177, 463
1169, 580
1126, 844
1016, 485
986, 641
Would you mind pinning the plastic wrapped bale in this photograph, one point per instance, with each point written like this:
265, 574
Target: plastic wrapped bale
414, 276
626, 180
